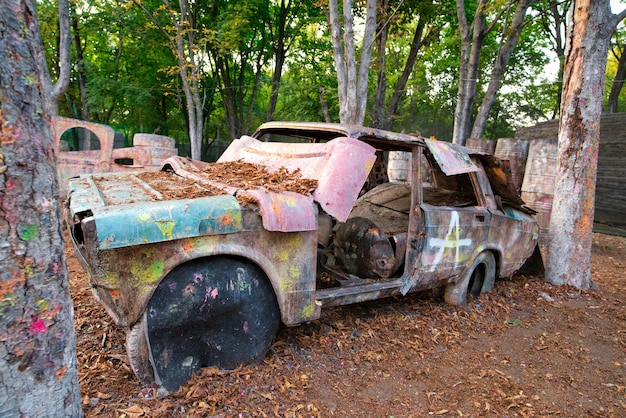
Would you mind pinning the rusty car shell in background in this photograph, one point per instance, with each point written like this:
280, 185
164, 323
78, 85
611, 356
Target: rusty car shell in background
147, 153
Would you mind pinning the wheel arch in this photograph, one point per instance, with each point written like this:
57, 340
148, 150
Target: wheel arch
456, 292
260, 260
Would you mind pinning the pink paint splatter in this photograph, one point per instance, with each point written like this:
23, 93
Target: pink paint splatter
37, 327
214, 293
245, 326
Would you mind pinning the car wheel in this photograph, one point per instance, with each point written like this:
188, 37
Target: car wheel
209, 312
138, 352
478, 279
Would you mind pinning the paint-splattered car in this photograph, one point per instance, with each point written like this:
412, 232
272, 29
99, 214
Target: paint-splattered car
202, 261
88, 147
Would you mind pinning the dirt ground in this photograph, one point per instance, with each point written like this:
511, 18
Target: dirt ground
526, 349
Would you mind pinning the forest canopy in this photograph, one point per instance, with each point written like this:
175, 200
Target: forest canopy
256, 60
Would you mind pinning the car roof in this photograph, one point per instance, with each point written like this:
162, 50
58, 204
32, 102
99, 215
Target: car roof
378, 138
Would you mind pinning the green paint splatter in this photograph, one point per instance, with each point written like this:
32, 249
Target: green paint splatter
41, 305
167, 228
110, 280
147, 275
307, 312
29, 232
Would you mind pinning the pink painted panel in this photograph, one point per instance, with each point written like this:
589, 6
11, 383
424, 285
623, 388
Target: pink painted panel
340, 166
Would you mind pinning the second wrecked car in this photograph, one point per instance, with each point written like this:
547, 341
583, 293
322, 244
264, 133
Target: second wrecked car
201, 262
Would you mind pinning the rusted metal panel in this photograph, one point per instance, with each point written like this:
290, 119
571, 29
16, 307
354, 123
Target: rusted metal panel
452, 236
286, 211
340, 166
150, 222
147, 154
452, 159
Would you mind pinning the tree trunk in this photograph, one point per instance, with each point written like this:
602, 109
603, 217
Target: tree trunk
554, 23
56, 90
398, 92
38, 373
471, 44
279, 57
351, 81
378, 120
499, 66
571, 221
80, 69
618, 82
323, 104
184, 48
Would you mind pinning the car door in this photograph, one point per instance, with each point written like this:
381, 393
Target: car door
453, 220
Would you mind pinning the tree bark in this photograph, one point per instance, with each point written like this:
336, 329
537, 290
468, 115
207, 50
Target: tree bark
571, 222
80, 69
554, 23
38, 373
378, 120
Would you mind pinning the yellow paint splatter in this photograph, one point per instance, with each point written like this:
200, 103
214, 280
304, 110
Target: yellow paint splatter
294, 272
283, 255
144, 217
289, 201
147, 275
307, 312
167, 228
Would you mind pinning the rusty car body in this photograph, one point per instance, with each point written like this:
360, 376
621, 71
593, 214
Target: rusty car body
206, 280
97, 152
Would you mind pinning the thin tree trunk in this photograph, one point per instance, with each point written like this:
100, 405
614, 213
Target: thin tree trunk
364, 62
352, 81
398, 92
184, 48
554, 29
80, 66
571, 221
324, 104
279, 58
471, 44
38, 371
618, 82
378, 120
338, 55
497, 74
56, 90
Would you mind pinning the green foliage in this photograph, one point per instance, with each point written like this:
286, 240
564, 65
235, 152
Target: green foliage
132, 81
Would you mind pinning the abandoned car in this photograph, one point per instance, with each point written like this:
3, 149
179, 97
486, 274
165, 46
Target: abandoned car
88, 147
201, 262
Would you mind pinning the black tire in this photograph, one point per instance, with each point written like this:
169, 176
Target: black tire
138, 352
479, 278
218, 311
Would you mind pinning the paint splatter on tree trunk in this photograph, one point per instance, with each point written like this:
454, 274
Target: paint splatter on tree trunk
38, 375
